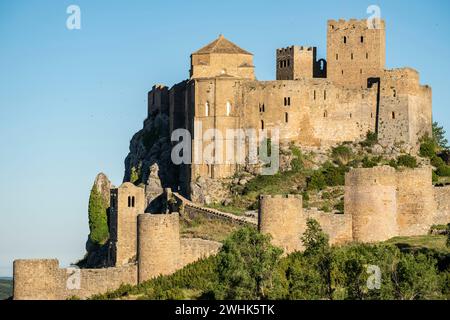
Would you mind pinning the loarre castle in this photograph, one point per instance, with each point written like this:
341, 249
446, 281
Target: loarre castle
314, 103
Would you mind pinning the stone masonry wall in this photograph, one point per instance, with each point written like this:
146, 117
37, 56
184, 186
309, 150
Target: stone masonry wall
196, 249
44, 280
442, 197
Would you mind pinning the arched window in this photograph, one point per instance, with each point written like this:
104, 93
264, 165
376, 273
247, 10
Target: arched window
228, 108
207, 109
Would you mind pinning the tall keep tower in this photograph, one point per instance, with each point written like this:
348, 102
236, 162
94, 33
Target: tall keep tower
355, 52
127, 201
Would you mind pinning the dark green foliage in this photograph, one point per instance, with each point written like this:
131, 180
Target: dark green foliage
407, 160
329, 175
439, 136
317, 181
443, 171
371, 139
314, 239
370, 162
428, 147
437, 161
297, 162
245, 266
341, 154
98, 221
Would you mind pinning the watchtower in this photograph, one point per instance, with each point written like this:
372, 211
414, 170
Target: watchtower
127, 201
356, 51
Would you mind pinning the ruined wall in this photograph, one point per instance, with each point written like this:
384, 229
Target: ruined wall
196, 249
127, 202
282, 218
371, 199
158, 99
159, 245
44, 280
442, 198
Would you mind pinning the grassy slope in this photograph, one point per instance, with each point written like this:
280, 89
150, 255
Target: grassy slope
417, 243
6, 287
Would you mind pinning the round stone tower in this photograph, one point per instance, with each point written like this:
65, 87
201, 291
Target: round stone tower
371, 199
158, 245
282, 218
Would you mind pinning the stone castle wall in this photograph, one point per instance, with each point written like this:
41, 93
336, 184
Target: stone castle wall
442, 198
284, 218
195, 249
159, 245
44, 280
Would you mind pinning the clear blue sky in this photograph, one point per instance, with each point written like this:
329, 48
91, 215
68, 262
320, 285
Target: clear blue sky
70, 101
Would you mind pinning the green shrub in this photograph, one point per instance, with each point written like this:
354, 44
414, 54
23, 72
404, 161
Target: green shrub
368, 162
340, 206
443, 171
407, 160
317, 181
334, 176
341, 154
427, 148
437, 161
435, 177
371, 139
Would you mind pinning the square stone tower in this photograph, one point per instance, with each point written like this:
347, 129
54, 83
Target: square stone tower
296, 62
127, 202
355, 52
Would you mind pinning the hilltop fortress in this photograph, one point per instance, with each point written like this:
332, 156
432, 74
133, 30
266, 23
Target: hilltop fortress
314, 103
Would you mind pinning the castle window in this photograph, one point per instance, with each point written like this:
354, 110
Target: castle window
371, 114
342, 71
352, 56
228, 108
129, 202
132, 201
395, 93
393, 115
325, 95
367, 55
314, 94
350, 115
286, 117
362, 39
325, 114
360, 71
262, 124
288, 62
281, 64
337, 56
207, 109
345, 39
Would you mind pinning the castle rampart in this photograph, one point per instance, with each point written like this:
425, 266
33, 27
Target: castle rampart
159, 245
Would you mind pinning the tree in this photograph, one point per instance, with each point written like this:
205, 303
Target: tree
318, 250
439, 136
245, 266
98, 220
